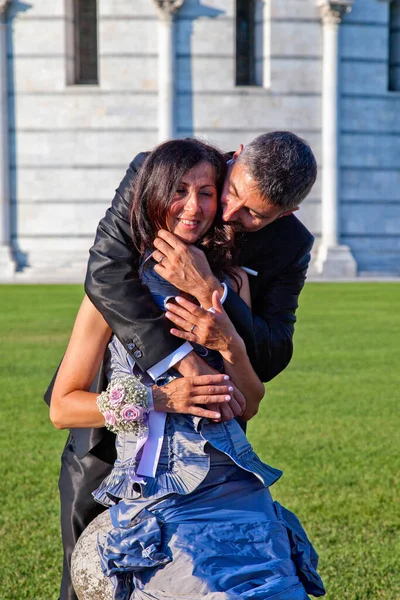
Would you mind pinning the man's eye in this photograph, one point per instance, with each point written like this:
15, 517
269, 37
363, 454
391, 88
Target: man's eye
208, 194
256, 216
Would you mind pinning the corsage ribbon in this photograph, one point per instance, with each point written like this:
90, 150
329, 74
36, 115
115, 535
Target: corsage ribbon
127, 406
151, 444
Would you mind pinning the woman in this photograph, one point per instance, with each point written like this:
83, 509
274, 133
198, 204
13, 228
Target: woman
197, 521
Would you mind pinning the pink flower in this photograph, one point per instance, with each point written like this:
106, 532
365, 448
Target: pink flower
131, 412
109, 417
117, 394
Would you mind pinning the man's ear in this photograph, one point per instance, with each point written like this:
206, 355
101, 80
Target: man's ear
238, 152
289, 212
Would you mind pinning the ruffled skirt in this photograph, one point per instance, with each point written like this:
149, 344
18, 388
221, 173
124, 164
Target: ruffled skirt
226, 540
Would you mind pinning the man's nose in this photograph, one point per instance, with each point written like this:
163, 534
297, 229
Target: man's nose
230, 210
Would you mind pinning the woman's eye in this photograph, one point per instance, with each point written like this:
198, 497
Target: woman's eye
181, 190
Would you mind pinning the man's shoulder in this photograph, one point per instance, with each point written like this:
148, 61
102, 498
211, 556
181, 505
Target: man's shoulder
287, 232
277, 245
138, 160
125, 185
291, 227
289, 238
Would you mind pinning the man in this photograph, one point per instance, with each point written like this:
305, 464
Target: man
267, 180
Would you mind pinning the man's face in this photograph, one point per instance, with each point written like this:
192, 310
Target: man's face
242, 203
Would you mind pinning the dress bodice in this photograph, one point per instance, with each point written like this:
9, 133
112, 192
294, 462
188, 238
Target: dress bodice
190, 443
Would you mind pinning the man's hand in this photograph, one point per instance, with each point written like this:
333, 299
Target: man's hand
188, 394
186, 267
193, 365
214, 330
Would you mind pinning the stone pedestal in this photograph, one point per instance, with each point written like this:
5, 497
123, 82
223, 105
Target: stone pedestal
333, 260
7, 265
336, 262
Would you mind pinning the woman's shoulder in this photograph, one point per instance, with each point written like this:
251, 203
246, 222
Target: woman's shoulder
239, 282
235, 278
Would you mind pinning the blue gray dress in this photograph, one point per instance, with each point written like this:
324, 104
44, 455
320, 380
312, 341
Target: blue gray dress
205, 527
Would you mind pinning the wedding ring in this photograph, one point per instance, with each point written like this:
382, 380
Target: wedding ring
161, 259
192, 328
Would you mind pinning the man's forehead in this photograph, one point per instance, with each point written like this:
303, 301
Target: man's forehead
241, 180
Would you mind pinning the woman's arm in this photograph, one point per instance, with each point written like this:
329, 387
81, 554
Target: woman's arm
72, 405
237, 363
216, 331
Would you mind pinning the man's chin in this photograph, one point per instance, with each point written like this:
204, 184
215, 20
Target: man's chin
236, 226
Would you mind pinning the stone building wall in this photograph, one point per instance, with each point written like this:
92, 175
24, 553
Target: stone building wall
370, 141
209, 103
70, 144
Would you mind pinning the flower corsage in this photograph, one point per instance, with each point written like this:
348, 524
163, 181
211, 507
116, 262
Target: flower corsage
125, 405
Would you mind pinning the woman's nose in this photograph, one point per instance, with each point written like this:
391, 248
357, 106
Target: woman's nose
192, 202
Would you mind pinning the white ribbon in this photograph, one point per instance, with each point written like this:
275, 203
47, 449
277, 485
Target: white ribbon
152, 445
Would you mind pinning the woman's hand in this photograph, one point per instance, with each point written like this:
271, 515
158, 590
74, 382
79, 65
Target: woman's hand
212, 329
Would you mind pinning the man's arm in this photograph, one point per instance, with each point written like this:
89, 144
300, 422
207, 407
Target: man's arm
113, 284
268, 333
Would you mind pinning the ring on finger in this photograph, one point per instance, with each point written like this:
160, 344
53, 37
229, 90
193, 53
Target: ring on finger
161, 259
192, 328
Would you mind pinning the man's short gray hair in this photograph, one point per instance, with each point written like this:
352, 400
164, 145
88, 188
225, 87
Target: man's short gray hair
283, 165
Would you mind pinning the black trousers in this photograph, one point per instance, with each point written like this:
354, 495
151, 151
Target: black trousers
78, 479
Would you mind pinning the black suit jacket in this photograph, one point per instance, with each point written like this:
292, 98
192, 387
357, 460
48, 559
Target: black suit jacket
280, 253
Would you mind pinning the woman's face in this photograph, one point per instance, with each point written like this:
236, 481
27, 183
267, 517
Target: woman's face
194, 206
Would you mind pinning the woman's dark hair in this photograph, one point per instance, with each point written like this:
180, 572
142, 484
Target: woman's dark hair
155, 187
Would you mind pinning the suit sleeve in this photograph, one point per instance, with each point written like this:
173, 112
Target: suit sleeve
268, 333
113, 285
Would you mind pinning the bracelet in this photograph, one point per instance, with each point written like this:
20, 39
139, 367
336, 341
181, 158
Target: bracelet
125, 405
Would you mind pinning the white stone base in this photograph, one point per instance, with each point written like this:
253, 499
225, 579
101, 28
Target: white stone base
48, 275
51, 265
7, 265
335, 262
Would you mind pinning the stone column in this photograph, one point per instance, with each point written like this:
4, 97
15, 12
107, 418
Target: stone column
7, 266
166, 68
334, 260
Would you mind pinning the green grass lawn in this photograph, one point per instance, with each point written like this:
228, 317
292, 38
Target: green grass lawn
330, 421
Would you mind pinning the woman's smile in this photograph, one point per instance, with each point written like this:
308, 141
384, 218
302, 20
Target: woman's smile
188, 223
